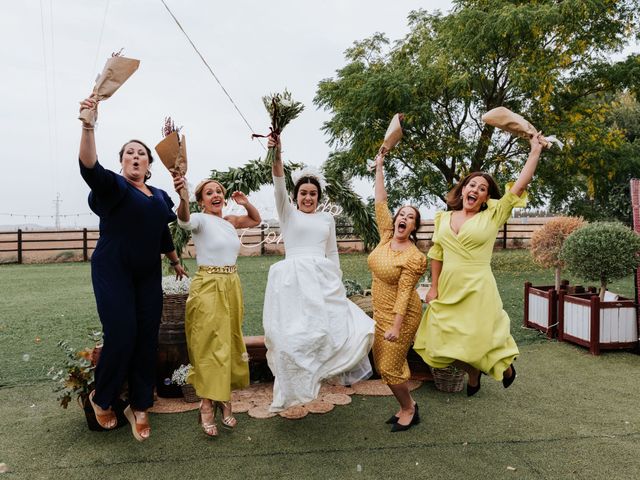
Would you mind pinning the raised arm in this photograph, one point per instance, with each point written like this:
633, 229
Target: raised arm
179, 183
251, 219
380, 190
277, 168
88, 155
529, 167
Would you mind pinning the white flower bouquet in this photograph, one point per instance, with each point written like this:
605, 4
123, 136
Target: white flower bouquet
180, 374
282, 109
171, 286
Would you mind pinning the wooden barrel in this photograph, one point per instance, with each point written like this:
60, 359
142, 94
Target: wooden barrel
172, 345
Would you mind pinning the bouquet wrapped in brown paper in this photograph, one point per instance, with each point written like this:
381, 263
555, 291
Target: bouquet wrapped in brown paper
172, 151
392, 137
116, 71
505, 119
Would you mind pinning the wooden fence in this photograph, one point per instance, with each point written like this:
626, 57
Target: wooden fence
36, 246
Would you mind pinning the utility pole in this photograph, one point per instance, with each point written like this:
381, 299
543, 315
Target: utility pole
57, 203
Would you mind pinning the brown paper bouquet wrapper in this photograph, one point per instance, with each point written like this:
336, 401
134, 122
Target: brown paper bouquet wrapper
172, 151
505, 119
393, 134
116, 71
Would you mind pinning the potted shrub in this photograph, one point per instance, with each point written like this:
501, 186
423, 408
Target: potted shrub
601, 252
541, 302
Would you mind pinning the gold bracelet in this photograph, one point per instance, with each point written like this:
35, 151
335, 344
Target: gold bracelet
87, 128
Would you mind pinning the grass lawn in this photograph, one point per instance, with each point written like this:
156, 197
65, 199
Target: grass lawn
45, 303
568, 415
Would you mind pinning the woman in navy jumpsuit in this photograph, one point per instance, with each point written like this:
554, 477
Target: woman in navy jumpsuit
126, 275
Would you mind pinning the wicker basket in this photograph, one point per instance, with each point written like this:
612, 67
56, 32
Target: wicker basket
173, 307
448, 379
189, 393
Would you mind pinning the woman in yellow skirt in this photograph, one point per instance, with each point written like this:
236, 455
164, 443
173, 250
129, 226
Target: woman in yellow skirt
396, 265
465, 324
213, 323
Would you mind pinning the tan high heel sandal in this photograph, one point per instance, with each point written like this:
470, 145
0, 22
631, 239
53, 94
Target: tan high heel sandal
107, 419
208, 426
141, 430
228, 421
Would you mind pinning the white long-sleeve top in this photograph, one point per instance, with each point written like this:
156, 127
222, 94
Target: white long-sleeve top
305, 233
216, 240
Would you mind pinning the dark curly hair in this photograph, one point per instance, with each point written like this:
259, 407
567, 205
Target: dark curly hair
302, 181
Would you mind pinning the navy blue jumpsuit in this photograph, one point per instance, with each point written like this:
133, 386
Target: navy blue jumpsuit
127, 282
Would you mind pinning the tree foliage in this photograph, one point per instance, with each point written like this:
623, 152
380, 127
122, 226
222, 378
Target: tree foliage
547, 242
256, 173
602, 251
547, 60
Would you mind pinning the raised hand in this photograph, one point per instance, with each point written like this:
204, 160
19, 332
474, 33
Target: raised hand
240, 198
273, 141
179, 182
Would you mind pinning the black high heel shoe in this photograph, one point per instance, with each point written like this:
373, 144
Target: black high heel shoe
415, 420
392, 420
471, 390
507, 381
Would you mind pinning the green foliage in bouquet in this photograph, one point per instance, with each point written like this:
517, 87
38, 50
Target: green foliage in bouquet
75, 377
282, 108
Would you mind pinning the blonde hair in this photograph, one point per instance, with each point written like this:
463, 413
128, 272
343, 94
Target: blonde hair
201, 185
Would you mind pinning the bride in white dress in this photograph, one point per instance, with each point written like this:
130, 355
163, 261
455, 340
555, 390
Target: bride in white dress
312, 331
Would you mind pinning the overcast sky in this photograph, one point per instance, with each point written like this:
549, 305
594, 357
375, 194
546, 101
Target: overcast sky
53, 50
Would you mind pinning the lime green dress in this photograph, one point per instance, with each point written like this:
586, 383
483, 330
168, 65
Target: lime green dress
466, 322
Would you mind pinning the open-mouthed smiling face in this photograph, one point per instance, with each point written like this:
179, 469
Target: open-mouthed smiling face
135, 162
405, 223
474, 194
212, 198
307, 198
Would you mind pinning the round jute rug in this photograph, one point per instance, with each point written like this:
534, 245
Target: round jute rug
255, 399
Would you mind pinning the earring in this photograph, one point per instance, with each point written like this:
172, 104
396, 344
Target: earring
147, 175
483, 206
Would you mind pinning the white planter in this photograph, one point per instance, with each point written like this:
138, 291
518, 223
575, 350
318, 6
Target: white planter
540, 308
587, 321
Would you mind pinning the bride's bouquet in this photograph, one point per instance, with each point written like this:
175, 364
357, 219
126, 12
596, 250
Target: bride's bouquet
116, 71
173, 152
282, 109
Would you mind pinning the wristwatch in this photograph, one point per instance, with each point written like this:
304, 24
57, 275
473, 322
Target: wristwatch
173, 264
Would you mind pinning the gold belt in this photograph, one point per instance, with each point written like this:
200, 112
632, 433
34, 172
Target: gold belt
213, 269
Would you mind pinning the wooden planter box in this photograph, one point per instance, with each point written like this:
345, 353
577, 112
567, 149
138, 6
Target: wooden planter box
585, 320
541, 308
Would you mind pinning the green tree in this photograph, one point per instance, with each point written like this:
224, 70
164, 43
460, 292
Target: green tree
547, 60
601, 189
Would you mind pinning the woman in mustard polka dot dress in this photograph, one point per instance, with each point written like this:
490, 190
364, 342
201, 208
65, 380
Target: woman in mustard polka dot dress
396, 265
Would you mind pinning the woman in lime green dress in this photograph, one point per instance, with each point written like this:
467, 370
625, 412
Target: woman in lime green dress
465, 324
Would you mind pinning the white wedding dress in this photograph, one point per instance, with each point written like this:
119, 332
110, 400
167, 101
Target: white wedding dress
312, 331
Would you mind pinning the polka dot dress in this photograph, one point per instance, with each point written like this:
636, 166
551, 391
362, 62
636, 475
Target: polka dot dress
395, 275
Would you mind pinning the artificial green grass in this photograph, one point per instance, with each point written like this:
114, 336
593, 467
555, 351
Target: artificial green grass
568, 415
45, 303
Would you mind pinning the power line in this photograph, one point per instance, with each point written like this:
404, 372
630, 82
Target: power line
210, 70
54, 101
104, 21
46, 81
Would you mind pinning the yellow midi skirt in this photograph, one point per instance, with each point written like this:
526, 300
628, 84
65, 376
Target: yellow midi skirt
213, 326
